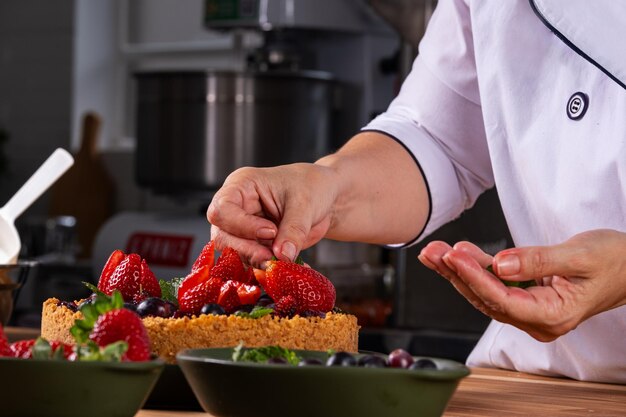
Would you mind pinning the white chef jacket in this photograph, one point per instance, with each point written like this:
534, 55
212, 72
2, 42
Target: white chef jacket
491, 99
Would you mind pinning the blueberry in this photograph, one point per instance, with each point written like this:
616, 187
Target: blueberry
69, 305
154, 306
423, 363
131, 306
313, 313
171, 308
341, 359
309, 362
180, 314
264, 300
214, 309
372, 361
277, 360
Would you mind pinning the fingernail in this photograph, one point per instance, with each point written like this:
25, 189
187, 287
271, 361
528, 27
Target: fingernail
266, 233
289, 250
507, 265
445, 258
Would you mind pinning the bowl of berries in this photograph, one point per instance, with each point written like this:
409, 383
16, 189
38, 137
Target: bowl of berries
280, 382
108, 370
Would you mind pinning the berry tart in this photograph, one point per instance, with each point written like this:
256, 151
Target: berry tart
218, 304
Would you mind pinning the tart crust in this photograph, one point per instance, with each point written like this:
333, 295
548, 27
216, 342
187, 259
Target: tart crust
169, 336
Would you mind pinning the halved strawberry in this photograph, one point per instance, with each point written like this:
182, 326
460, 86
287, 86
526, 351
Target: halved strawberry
191, 300
248, 277
248, 293
123, 325
234, 294
206, 257
310, 290
229, 266
131, 277
228, 298
5, 350
194, 278
259, 275
114, 260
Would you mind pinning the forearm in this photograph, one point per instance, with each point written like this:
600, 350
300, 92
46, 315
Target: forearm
381, 193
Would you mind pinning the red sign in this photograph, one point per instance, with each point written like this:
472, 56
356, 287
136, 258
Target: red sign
160, 249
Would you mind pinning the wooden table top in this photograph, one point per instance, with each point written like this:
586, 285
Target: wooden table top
493, 393
498, 393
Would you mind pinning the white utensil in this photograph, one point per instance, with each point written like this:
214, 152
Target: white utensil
40, 181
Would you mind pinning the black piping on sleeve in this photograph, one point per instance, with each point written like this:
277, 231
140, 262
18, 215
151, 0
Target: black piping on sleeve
430, 205
572, 45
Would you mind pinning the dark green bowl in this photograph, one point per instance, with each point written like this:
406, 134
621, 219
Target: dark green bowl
30, 387
239, 389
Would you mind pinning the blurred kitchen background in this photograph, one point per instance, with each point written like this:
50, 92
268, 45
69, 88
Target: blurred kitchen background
160, 99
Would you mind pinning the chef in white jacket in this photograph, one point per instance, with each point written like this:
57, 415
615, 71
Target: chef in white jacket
529, 96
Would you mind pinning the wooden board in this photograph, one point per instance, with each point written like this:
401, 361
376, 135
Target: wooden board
497, 393
86, 191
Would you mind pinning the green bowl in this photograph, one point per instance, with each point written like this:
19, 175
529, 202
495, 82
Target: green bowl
30, 387
240, 389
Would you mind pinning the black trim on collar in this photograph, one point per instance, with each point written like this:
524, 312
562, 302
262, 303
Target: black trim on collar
571, 44
430, 199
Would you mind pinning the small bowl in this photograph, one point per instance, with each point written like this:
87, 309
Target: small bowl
51, 388
12, 278
241, 389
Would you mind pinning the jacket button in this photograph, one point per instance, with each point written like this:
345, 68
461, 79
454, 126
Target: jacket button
577, 105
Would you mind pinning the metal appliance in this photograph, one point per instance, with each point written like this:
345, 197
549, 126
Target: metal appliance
194, 128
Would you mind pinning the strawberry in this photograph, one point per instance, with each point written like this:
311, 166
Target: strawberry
5, 350
130, 275
114, 260
228, 298
22, 349
247, 293
206, 257
195, 278
191, 300
297, 287
234, 294
229, 266
122, 324
228, 283
249, 277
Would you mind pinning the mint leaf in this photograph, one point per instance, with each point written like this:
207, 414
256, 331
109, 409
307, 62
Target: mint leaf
257, 312
41, 349
114, 351
169, 289
59, 354
93, 288
262, 354
117, 301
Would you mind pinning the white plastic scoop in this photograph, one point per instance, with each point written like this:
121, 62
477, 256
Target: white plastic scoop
40, 181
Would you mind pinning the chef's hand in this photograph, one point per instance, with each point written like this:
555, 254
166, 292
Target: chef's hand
265, 212
578, 278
